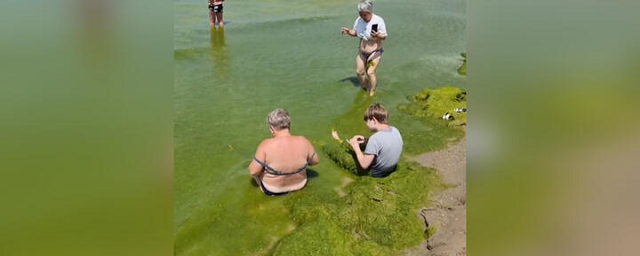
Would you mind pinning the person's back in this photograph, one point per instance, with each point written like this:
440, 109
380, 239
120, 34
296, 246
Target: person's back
280, 163
386, 145
286, 154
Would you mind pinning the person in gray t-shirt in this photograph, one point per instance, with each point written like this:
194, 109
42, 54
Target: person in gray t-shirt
384, 147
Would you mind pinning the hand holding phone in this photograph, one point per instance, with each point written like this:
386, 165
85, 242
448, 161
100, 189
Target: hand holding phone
374, 27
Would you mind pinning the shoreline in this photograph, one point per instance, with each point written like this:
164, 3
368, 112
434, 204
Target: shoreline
447, 212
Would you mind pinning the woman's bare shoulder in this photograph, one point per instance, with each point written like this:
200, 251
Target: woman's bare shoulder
265, 143
303, 140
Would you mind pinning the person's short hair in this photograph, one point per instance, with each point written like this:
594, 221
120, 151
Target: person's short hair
279, 119
365, 6
378, 112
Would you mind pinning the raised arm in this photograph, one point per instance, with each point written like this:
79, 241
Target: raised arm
382, 31
379, 35
348, 31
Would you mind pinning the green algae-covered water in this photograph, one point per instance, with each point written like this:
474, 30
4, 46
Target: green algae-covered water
290, 54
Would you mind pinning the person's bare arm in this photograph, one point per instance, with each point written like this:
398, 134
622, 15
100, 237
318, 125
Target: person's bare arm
348, 31
364, 160
315, 159
254, 167
379, 35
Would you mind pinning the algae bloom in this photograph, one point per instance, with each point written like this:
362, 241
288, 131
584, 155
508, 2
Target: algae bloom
462, 70
376, 217
436, 102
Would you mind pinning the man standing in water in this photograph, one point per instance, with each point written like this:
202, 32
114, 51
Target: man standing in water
371, 30
280, 163
384, 147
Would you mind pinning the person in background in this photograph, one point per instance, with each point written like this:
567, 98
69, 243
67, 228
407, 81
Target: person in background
215, 12
371, 30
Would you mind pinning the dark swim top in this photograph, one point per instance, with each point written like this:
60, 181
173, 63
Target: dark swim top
270, 170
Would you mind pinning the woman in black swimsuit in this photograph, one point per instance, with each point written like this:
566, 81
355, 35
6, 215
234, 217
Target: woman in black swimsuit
215, 12
280, 163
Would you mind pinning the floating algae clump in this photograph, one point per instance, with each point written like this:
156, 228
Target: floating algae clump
376, 217
437, 102
462, 70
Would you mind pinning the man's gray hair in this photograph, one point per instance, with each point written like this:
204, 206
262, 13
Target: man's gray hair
365, 6
279, 119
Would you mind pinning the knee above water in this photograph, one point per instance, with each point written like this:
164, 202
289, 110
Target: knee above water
371, 72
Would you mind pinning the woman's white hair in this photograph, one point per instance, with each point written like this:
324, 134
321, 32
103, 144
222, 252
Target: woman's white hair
365, 6
279, 119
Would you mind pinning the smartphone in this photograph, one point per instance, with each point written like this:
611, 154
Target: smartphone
374, 27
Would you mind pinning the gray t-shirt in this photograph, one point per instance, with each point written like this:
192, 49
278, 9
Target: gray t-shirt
387, 146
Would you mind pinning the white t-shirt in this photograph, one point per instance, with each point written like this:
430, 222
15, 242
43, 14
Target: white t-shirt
363, 28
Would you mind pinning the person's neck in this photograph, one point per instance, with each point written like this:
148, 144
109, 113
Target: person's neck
281, 133
383, 127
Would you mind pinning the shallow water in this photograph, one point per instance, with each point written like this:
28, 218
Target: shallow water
290, 54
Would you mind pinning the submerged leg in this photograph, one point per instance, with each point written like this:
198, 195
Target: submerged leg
212, 18
220, 19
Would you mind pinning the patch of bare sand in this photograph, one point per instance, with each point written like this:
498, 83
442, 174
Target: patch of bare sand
447, 212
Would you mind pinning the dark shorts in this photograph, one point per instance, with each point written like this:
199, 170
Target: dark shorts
215, 8
269, 193
383, 173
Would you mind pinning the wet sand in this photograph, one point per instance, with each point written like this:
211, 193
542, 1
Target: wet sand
447, 212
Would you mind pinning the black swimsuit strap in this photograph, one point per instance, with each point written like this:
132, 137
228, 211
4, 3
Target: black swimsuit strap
311, 158
270, 170
265, 166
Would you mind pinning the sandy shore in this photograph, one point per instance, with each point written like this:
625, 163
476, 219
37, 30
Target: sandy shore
447, 212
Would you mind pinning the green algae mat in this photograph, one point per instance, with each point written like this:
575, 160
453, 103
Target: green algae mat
434, 103
290, 54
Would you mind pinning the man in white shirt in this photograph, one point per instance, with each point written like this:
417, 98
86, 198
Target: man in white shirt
371, 30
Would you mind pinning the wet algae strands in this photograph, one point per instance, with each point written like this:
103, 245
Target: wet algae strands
376, 217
